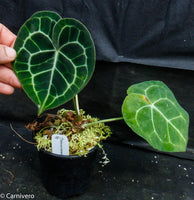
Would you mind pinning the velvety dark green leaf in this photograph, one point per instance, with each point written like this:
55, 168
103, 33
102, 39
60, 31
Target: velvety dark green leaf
151, 110
55, 58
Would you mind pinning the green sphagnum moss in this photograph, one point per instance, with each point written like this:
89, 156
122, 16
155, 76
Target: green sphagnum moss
81, 137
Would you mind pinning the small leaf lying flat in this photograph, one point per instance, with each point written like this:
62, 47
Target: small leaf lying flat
55, 59
151, 110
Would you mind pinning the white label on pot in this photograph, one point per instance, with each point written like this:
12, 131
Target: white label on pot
60, 144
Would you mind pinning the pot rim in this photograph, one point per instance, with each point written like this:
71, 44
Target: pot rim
70, 156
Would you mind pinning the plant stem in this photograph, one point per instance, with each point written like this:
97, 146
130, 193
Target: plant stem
76, 106
103, 121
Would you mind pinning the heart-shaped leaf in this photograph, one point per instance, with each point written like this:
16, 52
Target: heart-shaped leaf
151, 110
55, 58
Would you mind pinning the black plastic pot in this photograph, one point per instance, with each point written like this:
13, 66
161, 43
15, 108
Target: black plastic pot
65, 176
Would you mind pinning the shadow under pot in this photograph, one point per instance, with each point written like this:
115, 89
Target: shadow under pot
65, 176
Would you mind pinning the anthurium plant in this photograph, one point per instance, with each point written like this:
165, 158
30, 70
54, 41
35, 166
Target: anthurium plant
55, 61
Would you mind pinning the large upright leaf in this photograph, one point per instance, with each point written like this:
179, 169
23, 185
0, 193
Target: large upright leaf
151, 110
55, 58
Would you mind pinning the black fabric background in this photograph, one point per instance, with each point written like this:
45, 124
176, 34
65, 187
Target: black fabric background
152, 32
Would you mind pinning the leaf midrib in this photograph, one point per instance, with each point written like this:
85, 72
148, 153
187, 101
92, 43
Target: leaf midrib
50, 83
152, 107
